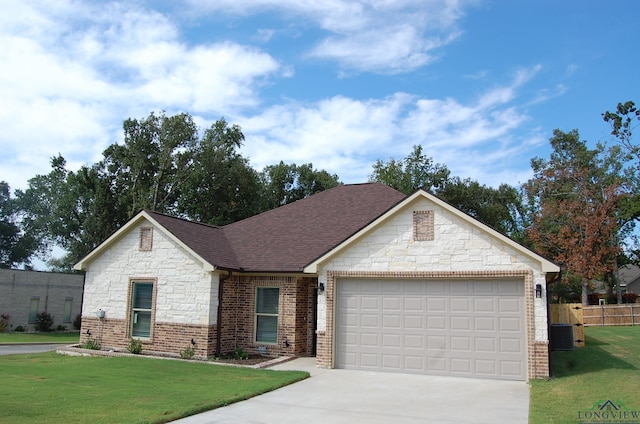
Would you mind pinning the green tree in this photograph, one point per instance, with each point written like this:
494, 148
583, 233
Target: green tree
574, 198
72, 210
411, 173
623, 122
221, 186
154, 161
286, 183
16, 247
500, 209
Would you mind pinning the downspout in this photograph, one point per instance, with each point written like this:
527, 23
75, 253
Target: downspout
222, 279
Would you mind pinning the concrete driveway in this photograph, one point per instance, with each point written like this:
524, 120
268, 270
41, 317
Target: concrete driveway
343, 396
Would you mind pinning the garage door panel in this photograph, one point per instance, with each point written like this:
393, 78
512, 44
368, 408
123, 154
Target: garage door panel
443, 327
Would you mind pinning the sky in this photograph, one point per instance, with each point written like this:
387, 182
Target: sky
479, 84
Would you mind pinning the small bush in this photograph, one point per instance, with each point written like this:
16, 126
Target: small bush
187, 352
20, 329
61, 328
134, 346
77, 323
44, 321
4, 322
92, 344
629, 297
240, 353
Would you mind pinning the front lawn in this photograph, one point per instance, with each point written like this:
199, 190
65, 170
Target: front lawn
55, 388
607, 368
51, 337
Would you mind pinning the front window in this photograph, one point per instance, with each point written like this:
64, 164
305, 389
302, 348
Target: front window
267, 314
141, 308
33, 309
68, 302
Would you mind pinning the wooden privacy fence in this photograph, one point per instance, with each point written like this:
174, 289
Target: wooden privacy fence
569, 313
604, 315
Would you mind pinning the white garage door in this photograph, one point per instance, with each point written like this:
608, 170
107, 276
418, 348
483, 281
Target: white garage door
446, 327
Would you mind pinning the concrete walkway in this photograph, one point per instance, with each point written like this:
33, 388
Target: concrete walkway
343, 396
20, 348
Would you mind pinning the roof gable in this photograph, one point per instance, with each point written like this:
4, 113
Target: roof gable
284, 239
183, 233
545, 264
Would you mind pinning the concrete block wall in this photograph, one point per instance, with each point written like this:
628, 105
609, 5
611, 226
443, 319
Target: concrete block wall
52, 290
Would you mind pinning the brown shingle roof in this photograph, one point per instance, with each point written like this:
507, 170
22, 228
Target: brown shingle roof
290, 237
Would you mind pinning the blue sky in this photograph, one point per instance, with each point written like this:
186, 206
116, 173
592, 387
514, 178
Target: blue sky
481, 85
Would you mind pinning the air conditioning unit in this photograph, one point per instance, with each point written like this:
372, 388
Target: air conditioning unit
561, 337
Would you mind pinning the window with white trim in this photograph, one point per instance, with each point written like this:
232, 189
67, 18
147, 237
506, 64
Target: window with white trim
141, 309
267, 299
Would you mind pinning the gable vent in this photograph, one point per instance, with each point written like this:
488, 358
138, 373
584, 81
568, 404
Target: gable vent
423, 225
146, 238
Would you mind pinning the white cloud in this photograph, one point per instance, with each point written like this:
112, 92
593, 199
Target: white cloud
366, 35
71, 72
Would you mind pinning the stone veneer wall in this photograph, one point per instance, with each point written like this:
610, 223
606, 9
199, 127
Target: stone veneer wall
185, 296
458, 250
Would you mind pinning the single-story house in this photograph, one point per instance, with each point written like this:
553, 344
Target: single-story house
24, 294
361, 276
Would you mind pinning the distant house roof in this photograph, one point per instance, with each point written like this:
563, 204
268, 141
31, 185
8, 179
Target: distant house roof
285, 239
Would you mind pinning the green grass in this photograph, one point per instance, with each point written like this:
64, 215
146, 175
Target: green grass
607, 368
51, 337
63, 389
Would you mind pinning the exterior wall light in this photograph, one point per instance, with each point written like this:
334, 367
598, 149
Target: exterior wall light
320, 287
538, 291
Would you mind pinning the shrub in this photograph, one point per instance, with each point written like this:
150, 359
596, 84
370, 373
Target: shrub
77, 323
134, 346
240, 353
629, 297
44, 321
4, 322
61, 328
187, 352
90, 343
19, 329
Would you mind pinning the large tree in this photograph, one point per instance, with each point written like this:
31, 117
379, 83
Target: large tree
286, 183
72, 210
623, 121
415, 171
499, 208
154, 161
575, 199
16, 247
221, 186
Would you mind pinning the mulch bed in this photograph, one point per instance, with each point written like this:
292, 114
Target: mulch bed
252, 360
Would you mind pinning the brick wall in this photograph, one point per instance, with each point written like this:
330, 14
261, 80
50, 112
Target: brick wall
168, 339
294, 314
